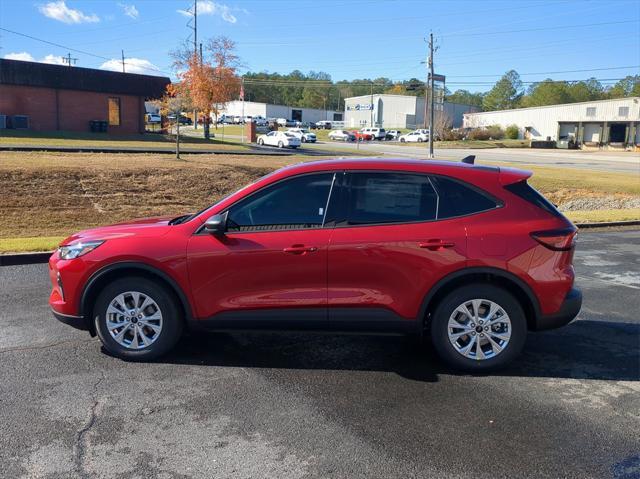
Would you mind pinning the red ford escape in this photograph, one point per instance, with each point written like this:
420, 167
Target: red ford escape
471, 256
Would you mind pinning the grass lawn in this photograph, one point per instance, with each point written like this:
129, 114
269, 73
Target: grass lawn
74, 139
47, 196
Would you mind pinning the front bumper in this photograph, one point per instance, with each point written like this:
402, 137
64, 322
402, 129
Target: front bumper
567, 312
78, 322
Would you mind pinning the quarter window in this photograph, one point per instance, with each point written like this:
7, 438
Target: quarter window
382, 198
458, 199
295, 203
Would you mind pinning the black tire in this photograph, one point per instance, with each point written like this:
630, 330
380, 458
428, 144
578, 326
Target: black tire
440, 320
402, 140
280, 144
419, 140
303, 140
172, 321
261, 142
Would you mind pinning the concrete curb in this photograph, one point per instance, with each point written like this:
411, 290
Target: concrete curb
16, 259
608, 224
24, 258
168, 151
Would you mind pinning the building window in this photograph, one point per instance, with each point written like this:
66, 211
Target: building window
114, 111
591, 111
623, 111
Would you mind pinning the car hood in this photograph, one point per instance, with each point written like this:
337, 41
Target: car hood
142, 227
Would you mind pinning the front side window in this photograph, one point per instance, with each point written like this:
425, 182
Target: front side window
295, 203
383, 198
114, 111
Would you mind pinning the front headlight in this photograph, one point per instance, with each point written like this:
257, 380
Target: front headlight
76, 250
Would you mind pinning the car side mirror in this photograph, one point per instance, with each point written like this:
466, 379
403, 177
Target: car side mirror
216, 224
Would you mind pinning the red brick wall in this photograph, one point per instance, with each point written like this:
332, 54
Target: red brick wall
75, 108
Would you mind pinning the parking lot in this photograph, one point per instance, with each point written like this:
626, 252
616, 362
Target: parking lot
299, 405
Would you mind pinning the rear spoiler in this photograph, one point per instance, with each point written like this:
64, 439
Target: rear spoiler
507, 176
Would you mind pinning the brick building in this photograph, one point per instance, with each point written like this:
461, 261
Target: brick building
56, 97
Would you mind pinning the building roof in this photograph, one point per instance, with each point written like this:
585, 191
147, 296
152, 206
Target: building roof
635, 99
15, 72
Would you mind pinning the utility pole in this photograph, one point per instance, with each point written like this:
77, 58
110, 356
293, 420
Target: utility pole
430, 80
68, 60
122, 61
371, 124
195, 51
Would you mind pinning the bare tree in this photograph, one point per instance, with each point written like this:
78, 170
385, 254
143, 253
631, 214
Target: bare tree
442, 124
172, 104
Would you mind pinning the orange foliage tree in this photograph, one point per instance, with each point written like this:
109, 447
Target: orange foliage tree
212, 81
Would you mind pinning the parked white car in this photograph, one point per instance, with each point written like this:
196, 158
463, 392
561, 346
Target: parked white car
341, 135
281, 139
303, 134
281, 121
259, 120
324, 124
414, 136
153, 118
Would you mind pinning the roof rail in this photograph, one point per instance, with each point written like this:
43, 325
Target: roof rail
470, 160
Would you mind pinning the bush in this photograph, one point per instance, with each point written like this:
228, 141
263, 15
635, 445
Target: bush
479, 134
512, 132
451, 135
495, 132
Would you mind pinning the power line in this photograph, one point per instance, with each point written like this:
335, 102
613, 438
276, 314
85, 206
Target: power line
72, 49
559, 27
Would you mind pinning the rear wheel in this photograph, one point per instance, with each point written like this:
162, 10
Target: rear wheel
478, 327
419, 140
260, 142
280, 144
137, 319
304, 140
402, 140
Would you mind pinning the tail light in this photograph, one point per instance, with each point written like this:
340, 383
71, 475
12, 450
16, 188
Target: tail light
558, 240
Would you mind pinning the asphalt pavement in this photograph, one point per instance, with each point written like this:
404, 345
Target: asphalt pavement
626, 162
278, 405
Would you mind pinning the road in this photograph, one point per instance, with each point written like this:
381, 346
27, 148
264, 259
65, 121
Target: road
592, 160
299, 405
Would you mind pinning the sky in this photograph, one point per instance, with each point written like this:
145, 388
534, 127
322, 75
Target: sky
477, 41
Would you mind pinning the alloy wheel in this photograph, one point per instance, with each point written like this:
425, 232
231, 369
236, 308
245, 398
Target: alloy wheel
479, 329
134, 320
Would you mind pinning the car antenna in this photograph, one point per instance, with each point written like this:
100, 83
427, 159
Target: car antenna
470, 160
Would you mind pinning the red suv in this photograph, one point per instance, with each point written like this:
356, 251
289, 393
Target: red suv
470, 255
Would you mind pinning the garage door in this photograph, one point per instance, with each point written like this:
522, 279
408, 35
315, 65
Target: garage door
592, 132
567, 129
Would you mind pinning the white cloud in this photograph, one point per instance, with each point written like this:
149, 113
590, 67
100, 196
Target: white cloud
59, 11
130, 10
132, 65
23, 56
207, 7
53, 59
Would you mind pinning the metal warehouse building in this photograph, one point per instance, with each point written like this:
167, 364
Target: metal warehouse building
398, 111
267, 110
613, 124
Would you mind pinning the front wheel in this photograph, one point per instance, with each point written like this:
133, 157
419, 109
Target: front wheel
419, 140
303, 140
261, 142
479, 327
402, 140
137, 319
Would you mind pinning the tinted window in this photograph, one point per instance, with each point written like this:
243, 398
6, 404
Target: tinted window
378, 198
528, 193
299, 202
458, 199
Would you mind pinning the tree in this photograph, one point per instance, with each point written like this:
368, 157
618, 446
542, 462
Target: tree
173, 103
465, 97
505, 94
586, 90
547, 92
210, 81
628, 86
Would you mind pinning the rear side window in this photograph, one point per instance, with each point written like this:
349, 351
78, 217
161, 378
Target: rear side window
528, 193
382, 198
459, 199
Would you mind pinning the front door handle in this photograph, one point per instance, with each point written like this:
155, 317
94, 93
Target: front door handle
300, 249
436, 244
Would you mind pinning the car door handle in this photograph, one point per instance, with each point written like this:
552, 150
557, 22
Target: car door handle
300, 249
436, 244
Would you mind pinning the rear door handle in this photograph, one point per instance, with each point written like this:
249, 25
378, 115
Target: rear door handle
300, 249
436, 244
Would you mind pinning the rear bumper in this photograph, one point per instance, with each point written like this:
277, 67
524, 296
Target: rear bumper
78, 322
567, 312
